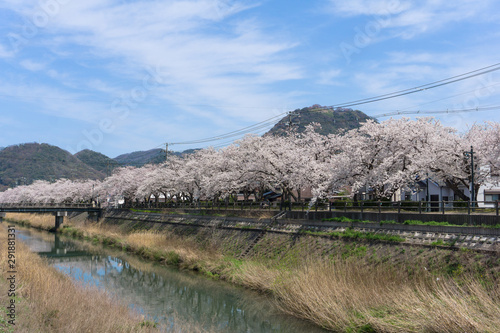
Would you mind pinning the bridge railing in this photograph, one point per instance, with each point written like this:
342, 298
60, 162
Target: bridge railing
46, 205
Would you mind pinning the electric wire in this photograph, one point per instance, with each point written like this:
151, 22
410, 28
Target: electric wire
427, 86
242, 131
397, 113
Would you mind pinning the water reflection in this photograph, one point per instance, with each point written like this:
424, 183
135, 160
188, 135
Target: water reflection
158, 291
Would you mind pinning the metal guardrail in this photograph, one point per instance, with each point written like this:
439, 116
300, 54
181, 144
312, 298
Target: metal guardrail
46, 205
421, 207
50, 208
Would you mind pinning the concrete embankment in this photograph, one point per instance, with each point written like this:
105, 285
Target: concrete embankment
249, 231
437, 248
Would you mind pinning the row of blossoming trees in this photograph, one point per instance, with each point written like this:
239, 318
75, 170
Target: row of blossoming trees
385, 157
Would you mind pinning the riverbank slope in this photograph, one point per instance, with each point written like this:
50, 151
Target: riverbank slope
340, 282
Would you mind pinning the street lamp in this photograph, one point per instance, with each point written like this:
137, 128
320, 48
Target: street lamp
471, 155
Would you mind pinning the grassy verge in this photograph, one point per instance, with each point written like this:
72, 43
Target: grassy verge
355, 235
407, 222
353, 291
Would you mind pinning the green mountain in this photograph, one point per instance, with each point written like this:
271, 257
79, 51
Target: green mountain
332, 120
153, 156
140, 158
24, 163
97, 161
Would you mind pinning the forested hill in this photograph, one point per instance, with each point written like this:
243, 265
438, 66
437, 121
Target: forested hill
24, 163
97, 161
332, 120
140, 158
153, 156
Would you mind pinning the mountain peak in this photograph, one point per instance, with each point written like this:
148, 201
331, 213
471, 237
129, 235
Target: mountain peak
332, 120
22, 164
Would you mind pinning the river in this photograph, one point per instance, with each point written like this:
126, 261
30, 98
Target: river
163, 294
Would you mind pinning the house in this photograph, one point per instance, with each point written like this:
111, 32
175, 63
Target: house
430, 190
487, 195
434, 191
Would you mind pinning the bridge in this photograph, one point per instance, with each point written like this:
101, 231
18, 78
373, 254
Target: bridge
59, 210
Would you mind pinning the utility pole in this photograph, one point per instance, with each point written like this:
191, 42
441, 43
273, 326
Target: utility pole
427, 194
290, 123
166, 152
472, 189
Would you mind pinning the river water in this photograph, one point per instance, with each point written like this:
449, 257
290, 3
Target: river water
163, 294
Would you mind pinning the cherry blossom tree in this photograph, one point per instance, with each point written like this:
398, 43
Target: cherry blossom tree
485, 139
384, 157
124, 183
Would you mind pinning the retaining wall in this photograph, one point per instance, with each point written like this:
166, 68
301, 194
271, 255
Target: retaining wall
471, 237
457, 219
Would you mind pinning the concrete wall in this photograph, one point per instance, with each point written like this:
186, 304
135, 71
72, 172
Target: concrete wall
458, 219
152, 220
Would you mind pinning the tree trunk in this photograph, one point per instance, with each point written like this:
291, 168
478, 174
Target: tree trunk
456, 190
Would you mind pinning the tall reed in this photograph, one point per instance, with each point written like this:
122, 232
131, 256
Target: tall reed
348, 296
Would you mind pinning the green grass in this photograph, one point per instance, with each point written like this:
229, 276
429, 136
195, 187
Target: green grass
407, 222
146, 210
418, 222
440, 242
355, 235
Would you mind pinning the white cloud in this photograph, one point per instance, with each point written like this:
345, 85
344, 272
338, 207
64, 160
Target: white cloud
4, 53
328, 77
367, 7
32, 65
217, 59
399, 57
407, 19
52, 101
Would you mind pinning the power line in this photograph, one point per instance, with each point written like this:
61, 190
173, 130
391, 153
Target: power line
432, 85
397, 113
242, 131
427, 86
456, 95
223, 144
395, 94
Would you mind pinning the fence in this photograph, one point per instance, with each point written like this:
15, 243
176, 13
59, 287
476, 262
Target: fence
444, 207
453, 212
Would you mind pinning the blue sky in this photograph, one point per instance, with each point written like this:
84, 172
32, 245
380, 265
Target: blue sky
119, 76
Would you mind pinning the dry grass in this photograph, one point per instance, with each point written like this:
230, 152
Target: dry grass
156, 245
347, 296
40, 221
160, 243
256, 276
49, 302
